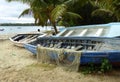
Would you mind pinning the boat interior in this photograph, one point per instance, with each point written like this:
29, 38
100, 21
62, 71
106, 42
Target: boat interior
23, 37
92, 31
79, 43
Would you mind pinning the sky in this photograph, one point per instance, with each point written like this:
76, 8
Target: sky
10, 11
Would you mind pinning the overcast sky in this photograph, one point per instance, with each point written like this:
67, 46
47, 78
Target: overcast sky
9, 12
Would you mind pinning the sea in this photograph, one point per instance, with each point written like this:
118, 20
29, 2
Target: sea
6, 30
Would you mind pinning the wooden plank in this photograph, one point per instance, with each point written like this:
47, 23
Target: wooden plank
99, 32
69, 33
83, 32
61, 33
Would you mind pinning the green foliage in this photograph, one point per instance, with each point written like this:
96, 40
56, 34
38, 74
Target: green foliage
63, 12
96, 11
92, 68
116, 5
44, 10
25, 12
103, 16
55, 14
105, 66
109, 5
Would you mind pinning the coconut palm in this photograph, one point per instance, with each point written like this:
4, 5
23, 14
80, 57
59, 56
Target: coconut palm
108, 6
116, 5
44, 10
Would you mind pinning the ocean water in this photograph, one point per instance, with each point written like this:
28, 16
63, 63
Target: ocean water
5, 30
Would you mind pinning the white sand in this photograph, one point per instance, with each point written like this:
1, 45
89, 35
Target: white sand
14, 67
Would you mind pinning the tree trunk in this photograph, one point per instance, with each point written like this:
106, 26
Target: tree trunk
55, 28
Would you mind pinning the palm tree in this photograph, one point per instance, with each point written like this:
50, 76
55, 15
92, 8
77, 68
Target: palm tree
116, 5
108, 6
44, 10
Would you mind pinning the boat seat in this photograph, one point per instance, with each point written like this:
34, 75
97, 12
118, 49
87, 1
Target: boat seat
61, 33
42, 35
99, 32
69, 33
28, 37
35, 36
17, 37
83, 32
97, 46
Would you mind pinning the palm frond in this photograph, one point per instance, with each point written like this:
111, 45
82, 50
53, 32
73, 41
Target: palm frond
38, 3
58, 11
73, 15
72, 2
26, 12
104, 4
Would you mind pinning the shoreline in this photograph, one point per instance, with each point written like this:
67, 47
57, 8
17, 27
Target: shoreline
6, 36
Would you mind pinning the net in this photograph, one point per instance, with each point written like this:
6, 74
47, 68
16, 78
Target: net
67, 58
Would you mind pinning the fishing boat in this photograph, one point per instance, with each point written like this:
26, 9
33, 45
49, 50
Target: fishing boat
21, 39
91, 49
100, 30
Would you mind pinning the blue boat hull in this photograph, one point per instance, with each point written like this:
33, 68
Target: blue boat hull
110, 30
86, 57
31, 48
97, 57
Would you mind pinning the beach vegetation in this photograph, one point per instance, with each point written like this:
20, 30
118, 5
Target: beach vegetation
96, 11
72, 12
48, 11
91, 68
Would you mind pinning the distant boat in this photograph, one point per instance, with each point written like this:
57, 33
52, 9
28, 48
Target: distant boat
92, 49
21, 39
2, 29
100, 30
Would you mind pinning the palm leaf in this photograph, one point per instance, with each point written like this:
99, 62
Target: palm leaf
26, 12
38, 3
73, 15
58, 11
42, 19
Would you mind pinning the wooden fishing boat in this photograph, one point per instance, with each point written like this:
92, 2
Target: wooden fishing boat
92, 49
100, 30
21, 39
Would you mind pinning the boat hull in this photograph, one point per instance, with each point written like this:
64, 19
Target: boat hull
92, 49
97, 57
31, 48
86, 57
99, 30
21, 39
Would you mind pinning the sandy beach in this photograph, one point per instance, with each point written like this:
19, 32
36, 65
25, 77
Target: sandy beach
19, 65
